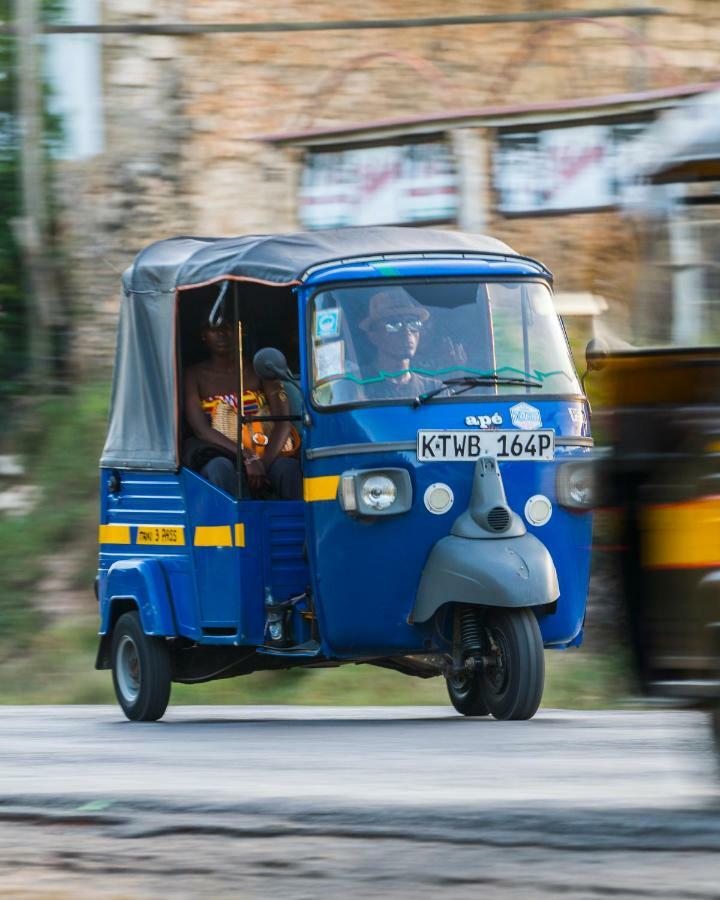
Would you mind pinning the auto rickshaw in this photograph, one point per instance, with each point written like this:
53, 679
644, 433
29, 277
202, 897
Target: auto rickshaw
443, 530
660, 474
659, 405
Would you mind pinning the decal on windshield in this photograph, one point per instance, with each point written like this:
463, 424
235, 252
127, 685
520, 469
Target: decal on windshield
330, 360
327, 323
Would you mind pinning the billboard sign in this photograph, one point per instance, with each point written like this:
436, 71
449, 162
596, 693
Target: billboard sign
392, 184
561, 168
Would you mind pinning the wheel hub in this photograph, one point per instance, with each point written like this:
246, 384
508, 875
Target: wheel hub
128, 669
496, 673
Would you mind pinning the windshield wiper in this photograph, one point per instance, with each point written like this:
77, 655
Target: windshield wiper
468, 382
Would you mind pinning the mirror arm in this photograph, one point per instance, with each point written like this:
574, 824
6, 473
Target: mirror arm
214, 317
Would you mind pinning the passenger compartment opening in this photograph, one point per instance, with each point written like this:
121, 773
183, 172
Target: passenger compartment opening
222, 401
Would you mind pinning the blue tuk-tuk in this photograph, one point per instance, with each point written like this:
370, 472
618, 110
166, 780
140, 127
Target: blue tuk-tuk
444, 528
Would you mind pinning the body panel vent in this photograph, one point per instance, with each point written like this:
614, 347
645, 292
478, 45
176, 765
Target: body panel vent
498, 518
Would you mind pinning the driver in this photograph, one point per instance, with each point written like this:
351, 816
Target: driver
394, 325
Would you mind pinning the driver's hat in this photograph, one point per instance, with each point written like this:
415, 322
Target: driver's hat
393, 302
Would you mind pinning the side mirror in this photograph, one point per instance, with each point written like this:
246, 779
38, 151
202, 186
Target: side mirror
596, 354
270, 364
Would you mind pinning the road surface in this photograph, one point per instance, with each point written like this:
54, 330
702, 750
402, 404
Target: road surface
362, 802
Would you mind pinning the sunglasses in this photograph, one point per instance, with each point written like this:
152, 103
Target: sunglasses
393, 326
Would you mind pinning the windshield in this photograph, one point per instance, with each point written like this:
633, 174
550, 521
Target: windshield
402, 341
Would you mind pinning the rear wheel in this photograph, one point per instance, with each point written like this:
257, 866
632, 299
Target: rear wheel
513, 678
141, 670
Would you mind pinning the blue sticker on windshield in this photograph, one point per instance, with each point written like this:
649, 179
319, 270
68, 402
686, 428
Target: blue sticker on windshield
327, 323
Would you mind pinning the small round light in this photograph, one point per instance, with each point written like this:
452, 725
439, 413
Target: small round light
438, 498
538, 510
378, 492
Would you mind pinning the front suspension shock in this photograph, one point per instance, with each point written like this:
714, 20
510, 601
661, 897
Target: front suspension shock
470, 631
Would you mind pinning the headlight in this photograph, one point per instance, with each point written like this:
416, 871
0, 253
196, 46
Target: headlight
576, 484
375, 492
378, 492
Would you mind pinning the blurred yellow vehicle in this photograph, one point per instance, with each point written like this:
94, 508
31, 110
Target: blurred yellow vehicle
662, 474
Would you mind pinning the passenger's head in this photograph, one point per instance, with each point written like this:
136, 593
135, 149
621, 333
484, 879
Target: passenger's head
394, 323
218, 338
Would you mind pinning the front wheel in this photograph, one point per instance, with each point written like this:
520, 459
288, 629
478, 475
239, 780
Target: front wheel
141, 670
465, 692
513, 678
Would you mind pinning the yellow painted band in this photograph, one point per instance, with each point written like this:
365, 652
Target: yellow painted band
161, 535
173, 535
114, 534
323, 488
682, 535
213, 536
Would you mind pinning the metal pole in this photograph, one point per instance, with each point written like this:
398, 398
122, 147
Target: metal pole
32, 228
241, 398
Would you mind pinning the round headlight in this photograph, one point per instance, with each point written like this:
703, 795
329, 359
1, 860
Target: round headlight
378, 492
580, 486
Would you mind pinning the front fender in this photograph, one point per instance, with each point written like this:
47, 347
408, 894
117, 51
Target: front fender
145, 582
509, 572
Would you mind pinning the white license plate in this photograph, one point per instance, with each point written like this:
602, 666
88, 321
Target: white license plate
442, 446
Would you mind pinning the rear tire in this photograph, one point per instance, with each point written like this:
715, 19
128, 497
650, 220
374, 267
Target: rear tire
141, 670
512, 686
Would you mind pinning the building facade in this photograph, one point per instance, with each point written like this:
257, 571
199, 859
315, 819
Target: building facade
520, 126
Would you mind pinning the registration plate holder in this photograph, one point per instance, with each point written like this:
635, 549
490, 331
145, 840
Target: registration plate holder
467, 445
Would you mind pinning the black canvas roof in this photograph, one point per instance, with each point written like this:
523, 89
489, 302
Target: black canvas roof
285, 258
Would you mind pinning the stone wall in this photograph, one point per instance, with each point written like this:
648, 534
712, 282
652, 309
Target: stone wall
182, 115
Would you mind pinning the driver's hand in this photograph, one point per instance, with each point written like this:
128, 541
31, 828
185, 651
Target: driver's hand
455, 352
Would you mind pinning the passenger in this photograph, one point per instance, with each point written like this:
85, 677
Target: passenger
211, 409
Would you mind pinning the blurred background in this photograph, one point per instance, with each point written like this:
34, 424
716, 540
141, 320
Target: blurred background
560, 127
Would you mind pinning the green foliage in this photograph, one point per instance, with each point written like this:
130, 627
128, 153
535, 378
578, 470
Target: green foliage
62, 446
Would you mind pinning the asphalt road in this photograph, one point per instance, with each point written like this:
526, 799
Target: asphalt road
390, 802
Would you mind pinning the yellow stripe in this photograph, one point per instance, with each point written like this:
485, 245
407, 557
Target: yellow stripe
114, 534
323, 488
161, 535
240, 535
682, 535
213, 536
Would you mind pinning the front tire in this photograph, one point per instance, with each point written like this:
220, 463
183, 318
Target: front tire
465, 692
141, 670
512, 684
